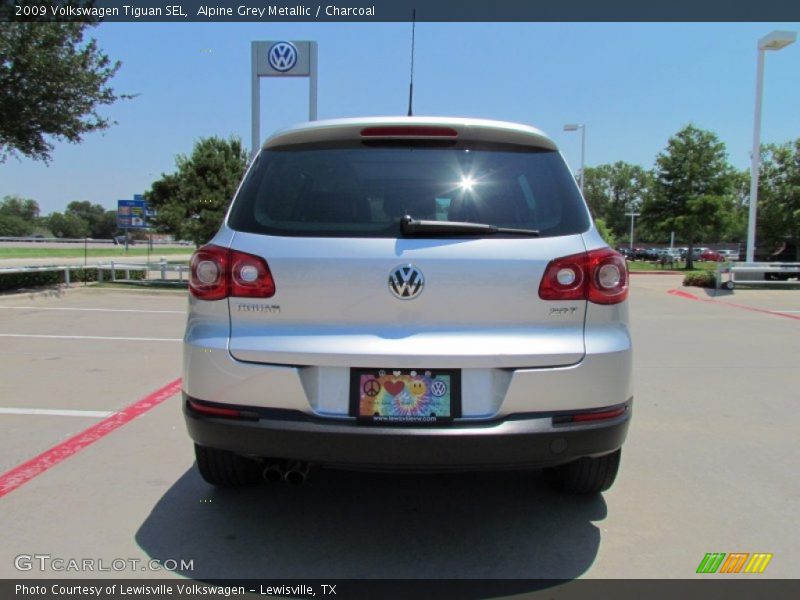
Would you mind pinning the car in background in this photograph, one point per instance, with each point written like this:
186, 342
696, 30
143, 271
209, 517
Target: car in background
711, 255
728, 255
119, 240
626, 251
408, 294
648, 254
671, 253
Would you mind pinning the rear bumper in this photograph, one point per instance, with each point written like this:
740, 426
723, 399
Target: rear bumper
516, 441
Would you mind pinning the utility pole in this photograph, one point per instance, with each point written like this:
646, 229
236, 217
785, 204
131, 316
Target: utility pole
632, 215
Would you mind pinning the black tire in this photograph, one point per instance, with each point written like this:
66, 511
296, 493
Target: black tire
729, 285
585, 475
226, 469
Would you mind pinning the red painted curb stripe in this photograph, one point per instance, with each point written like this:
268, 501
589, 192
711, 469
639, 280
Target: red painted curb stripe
23, 473
683, 294
688, 296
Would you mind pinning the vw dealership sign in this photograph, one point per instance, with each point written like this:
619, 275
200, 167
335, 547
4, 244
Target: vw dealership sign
282, 56
281, 59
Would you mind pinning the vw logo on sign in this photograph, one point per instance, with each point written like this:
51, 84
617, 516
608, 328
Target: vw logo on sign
406, 282
282, 56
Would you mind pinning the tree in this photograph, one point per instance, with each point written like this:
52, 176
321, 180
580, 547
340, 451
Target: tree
605, 232
24, 208
14, 226
191, 203
779, 196
67, 225
51, 86
18, 216
102, 224
739, 207
614, 190
106, 227
691, 181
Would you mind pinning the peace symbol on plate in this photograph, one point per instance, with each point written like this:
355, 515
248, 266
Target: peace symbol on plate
372, 388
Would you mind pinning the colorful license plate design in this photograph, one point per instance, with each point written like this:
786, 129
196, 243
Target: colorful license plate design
412, 396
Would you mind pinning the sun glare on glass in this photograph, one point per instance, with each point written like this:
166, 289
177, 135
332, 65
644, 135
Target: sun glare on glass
466, 183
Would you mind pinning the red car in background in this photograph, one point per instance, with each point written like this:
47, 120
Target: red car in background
712, 255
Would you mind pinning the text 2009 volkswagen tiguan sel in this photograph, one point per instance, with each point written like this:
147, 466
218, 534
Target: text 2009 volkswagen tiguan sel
412, 294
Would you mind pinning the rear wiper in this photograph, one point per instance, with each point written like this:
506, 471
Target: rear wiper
411, 226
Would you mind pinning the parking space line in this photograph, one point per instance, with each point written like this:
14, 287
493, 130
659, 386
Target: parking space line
56, 413
23, 473
88, 309
87, 337
688, 296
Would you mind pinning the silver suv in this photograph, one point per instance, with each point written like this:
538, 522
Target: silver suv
411, 294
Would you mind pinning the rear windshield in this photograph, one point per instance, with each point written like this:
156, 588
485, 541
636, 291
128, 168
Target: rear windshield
364, 191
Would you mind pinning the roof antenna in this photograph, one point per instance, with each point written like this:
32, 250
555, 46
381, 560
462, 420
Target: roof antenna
411, 84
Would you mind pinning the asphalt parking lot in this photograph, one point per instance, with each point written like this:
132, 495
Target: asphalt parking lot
709, 466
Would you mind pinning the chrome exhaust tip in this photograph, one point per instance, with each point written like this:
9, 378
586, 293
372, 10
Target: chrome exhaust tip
274, 472
296, 474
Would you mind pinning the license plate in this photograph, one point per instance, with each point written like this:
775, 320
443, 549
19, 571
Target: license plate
405, 396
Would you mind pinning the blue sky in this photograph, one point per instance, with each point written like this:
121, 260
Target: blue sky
633, 85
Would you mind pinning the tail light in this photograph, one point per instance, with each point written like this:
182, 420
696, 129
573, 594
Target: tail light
599, 276
218, 273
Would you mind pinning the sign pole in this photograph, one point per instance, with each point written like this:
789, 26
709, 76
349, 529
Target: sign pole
255, 101
312, 82
280, 59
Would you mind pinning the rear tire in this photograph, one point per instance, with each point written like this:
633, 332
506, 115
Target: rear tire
585, 475
226, 469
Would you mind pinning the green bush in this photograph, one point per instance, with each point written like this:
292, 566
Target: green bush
82, 275
15, 281
705, 279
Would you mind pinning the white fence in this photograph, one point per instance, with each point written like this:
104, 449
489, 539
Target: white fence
161, 267
108, 271
33, 240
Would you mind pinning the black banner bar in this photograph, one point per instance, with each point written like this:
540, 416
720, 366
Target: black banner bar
709, 587
185, 11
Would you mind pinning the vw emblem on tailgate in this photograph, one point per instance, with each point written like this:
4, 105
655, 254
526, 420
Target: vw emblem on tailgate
406, 282
282, 56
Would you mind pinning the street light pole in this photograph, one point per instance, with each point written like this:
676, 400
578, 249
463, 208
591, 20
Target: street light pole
632, 215
773, 41
583, 157
582, 127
